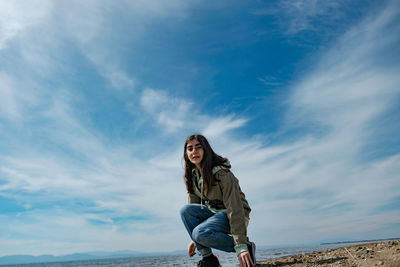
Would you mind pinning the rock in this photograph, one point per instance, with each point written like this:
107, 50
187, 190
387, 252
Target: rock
381, 254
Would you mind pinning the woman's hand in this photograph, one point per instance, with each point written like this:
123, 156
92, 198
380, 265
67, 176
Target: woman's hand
191, 249
245, 259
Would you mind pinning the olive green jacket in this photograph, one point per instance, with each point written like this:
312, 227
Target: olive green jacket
225, 195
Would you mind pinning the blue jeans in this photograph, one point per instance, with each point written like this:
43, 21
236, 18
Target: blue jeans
207, 229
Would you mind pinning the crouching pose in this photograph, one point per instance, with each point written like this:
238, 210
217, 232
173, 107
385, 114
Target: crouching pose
218, 213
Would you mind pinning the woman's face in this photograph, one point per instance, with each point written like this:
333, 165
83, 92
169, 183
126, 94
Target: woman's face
195, 152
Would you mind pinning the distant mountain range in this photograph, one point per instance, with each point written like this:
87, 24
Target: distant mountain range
96, 255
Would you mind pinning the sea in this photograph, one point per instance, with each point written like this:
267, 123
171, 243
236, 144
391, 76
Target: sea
226, 259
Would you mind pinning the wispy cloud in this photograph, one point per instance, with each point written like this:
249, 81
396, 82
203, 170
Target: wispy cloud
92, 25
350, 87
325, 177
9, 106
169, 111
178, 113
270, 81
102, 184
17, 16
219, 126
119, 79
303, 15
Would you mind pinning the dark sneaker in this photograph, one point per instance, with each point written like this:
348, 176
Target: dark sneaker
252, 250
211, 261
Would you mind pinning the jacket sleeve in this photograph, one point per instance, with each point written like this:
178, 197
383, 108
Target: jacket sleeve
193, 199
234, 208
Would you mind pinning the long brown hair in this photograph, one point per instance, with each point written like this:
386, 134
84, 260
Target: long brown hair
210, 159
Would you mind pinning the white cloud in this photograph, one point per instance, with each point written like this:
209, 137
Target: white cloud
218, 126
9, 107
349, 90
79, 234
17, 16
325, 183
112, 184
176, 114
17, 96
91, 24
303, 15
112, 181
119, 79
170, 112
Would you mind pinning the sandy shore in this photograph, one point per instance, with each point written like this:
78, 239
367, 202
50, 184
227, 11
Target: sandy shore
373, 254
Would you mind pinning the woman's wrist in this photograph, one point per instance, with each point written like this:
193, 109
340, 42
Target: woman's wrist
241, 248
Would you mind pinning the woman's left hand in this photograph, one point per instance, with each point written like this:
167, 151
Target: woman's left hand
245, 259
191, 249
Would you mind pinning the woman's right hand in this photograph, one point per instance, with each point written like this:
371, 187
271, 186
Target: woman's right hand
191, 249
245, 259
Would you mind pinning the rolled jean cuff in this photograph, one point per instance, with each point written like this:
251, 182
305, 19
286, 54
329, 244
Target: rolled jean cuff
204, 251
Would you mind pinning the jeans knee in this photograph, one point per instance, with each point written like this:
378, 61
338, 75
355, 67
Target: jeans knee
184, 210
201, 235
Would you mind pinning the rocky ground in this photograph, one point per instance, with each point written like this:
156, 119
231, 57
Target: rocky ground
375, 254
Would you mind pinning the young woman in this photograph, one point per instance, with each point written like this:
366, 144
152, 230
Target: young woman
218, 213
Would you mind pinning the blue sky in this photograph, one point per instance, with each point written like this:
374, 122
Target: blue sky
97, 98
